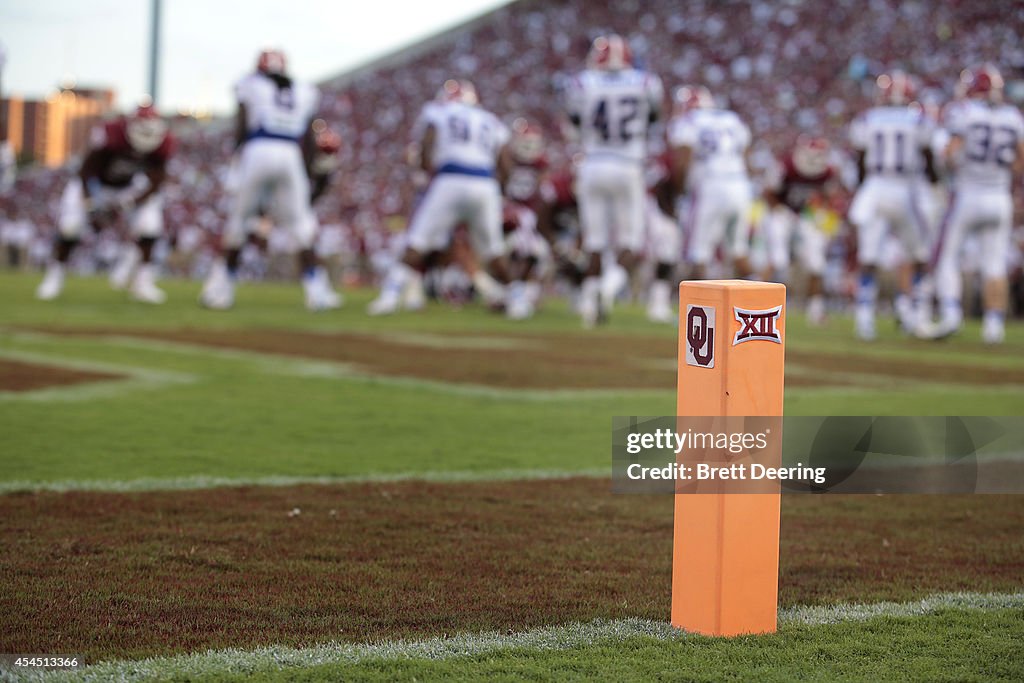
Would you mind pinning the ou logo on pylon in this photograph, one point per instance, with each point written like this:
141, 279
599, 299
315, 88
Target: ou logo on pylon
700, 336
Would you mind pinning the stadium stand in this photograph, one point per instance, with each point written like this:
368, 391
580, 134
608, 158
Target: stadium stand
786, 67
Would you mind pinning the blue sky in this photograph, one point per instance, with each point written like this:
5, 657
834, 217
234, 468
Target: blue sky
207, 44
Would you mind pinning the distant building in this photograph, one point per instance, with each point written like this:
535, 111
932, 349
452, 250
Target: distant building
50, 131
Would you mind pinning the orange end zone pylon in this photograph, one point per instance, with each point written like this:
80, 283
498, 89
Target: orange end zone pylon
725, 557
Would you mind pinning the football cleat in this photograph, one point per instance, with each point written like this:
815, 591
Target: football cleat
659, 309
816, 311
146, 291
518, 305
218, 291
993, 330
864, 321
320, 296
387, 303
52, 284
122, 272
414, 298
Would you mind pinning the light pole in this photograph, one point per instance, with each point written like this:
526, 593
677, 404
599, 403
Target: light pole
154, 50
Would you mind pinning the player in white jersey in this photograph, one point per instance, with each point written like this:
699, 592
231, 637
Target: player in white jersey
464, 149
985, 150
277, 144
709, 151
895, 164
612, 105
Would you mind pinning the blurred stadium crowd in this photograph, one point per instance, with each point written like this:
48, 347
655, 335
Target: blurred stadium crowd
786, 68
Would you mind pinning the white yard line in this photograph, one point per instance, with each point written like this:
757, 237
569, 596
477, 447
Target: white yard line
207, 482
553, 638
134, 379
279, 364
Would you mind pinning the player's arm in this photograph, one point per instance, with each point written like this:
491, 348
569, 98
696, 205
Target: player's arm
656, 99
773, 185
859, 142
156, 177
241, 126
953, 150
574, 104
930, 168
861, 167
503, 169
772, 196
681, 157
89, 171
427, 149
308, 146
664, 196
1018, 163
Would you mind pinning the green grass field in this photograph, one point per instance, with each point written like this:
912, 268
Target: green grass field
334, 409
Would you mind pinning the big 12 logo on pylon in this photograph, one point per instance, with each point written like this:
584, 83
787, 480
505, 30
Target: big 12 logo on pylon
700, 336
757, 325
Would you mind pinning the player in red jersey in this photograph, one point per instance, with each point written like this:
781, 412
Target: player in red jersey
122, 174
802, 177
325, 161
528, 250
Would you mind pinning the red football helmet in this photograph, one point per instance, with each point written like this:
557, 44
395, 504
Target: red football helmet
811, 156
271, 62
527, 141
328, 142
985, 82
895, 89
145, 129
461, 91
689, 97
610, 53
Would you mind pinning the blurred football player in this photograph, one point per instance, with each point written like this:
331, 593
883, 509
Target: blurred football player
529, 164
8, 165
803, 176
613, 105
464, 149
277, 144
528, 251
709, 157
121, 174
325, 161
985, 151
663, 243
894, 160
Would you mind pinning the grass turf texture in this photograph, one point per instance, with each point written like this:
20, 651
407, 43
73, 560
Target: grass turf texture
130, 575
948, 646
249, 415
227, 404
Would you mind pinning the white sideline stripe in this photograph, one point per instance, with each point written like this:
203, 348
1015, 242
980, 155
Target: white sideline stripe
280, 364
469, 342
133, 378
205, 482
546, 639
